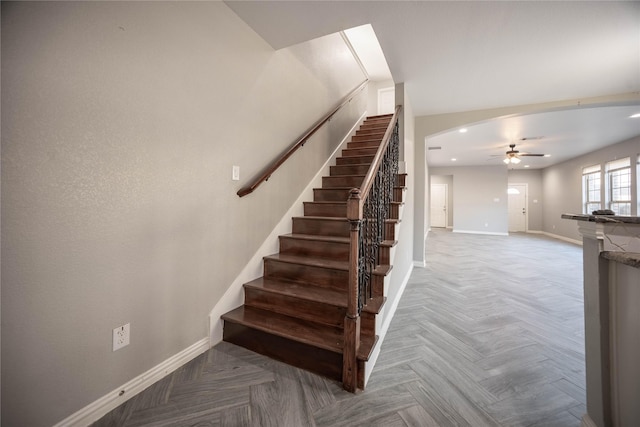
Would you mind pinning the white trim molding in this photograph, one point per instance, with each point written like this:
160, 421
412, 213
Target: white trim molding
566, 239
371, 363
489, 233
587, 421
99, 408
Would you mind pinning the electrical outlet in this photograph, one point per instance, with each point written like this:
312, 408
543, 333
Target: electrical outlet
235, 173
121, 336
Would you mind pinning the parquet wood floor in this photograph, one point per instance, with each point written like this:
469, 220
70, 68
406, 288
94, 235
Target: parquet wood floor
490, 333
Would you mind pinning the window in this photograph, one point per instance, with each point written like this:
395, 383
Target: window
619, 186
591, 189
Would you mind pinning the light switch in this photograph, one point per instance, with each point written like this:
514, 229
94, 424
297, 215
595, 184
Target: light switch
235, 173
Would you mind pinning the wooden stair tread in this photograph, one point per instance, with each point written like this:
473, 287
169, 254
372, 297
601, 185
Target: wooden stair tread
317, 237
380, 270
308, 292
300, 290
346, 176
305, 260
389, 243
323, 218
329, 202
374, 305
311, 333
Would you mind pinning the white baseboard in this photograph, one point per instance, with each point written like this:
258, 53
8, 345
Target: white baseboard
371, 363
421, 264
489, 233
566, 239
535, 231
99, 408
587, 421
234, 295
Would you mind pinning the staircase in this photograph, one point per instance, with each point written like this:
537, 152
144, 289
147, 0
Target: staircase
296, 312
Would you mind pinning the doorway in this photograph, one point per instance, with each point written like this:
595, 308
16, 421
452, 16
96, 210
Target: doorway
517, 202
386, 100
438, 212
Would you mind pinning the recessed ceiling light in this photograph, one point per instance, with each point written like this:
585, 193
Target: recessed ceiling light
453, 159
634, 116
526, 166
547, 155
463, 130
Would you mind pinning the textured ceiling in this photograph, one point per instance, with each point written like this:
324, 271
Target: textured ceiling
463, 56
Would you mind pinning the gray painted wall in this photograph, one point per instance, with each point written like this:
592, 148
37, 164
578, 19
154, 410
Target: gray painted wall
479, 199
121, 122
562, 186
533, 179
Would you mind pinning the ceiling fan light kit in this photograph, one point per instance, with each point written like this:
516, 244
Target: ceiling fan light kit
513, 160
513, 155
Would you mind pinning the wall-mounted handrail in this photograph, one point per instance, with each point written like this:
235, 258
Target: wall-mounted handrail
270, 169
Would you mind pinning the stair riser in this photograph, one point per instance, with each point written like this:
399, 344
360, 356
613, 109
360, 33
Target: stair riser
370, 133
398, 195
338, 209
375, 143
390, 231
402, 179
354, 160
373, 129
385, 252
349, 170
313, 248
367, 324
330, 195
320, 227
384, 121
310, 358
327, 277
394, 211
295, 307
367, 137
353, 152
341, 181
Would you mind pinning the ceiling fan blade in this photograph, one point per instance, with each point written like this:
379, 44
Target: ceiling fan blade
531, 155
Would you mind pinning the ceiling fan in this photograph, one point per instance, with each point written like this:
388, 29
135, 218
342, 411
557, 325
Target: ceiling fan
513, 155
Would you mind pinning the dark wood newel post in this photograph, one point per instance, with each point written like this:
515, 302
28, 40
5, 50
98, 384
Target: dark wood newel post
352, 318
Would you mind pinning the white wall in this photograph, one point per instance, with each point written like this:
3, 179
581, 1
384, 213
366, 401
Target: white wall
533, 179
372, 100
479, 199
562, 186
406, 233
121, 122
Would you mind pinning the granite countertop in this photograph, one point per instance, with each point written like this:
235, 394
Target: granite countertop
628, 258
616, 219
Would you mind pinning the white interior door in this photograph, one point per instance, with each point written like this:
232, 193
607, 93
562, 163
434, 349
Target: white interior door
438, 216
517, 207
386, 100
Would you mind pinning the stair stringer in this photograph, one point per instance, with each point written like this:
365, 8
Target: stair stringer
383, 319
234, 295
